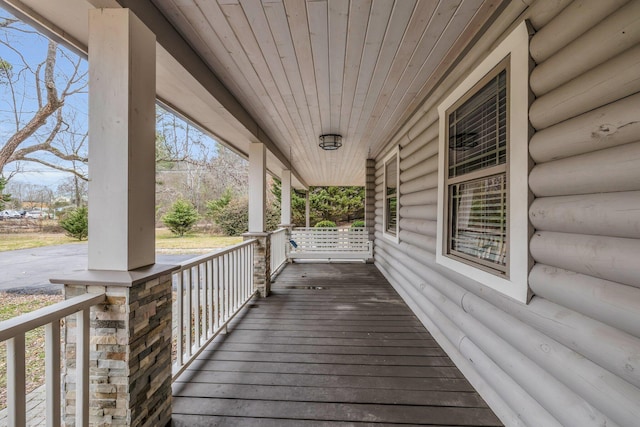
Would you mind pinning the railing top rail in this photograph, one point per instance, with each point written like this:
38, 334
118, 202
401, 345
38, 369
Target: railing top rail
321, 229
331, 232
45, 315
207, 257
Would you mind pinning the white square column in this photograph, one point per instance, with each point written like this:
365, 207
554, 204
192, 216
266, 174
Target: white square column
307, 209
370, 198
257, 221
122, 92
257, 187
285, 198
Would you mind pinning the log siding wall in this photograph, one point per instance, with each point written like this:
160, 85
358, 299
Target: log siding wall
571, 357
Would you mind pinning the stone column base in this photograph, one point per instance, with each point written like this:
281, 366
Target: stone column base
261, 262
289, 228
130, 360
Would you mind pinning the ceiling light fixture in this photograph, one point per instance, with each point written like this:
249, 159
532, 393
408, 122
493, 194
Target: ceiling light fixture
330, 141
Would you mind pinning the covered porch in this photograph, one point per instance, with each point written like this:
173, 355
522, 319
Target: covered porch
333, 344
548, 334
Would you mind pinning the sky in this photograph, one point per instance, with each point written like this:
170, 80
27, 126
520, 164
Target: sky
32, 48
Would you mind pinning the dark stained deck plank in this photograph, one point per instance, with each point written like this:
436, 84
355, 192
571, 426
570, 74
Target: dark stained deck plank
272, 326
332, 294
217, 421
379, 313
270, 332
334, 345
326, 381
321, 411
332, 359
320, 394
372, 342
320, 349
327, 369
331, 316
331, 323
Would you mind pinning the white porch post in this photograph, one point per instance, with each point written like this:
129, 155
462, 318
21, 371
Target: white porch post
285, 208
122, 93
307, 210
370, 198
257, 187
285, 205
130, 345
257, 223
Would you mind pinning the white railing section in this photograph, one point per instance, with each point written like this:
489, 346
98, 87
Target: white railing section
13, 331
330, 243
210, 291
278, 249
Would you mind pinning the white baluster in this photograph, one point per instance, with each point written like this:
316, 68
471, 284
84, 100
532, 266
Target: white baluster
16, 381
52, 373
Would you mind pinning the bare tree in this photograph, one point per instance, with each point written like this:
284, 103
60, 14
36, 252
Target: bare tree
229, 170
29, 196
178, 142
33, 97
73, 189
191, 165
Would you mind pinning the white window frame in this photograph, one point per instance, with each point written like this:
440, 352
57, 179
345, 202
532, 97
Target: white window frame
515, 284
390, 236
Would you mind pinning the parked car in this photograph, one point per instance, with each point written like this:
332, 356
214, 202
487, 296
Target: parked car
35, 215
10, 214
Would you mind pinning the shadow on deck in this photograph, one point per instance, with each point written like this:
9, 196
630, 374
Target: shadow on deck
333, 345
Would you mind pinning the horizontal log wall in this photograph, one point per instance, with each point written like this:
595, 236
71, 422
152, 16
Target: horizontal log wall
571, 356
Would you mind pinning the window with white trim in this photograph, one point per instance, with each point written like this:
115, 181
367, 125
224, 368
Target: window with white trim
476, 179
483, 227
391, 184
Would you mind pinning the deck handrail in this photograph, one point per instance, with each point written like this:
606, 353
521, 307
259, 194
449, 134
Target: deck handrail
210, 291
278, 250
13, 331
197, 260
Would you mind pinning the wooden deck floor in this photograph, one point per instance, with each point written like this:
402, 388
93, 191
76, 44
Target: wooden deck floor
333, 345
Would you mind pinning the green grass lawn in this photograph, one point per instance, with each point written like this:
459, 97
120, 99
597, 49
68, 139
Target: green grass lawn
165, 241
13, 241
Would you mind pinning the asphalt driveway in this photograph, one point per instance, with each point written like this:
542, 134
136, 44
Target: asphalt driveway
29, 270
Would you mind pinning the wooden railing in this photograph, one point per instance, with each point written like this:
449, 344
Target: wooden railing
210, 291
330, 243
278, 249
13, 331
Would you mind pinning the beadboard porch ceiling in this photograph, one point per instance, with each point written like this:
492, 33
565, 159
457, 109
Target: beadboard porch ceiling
306, 68
287, 71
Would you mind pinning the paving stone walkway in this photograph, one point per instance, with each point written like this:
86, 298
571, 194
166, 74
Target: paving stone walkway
36, 409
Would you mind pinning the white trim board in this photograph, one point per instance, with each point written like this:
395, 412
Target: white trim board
516, 47
393, 238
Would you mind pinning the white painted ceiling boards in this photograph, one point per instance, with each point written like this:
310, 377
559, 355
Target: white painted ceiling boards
304, 68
